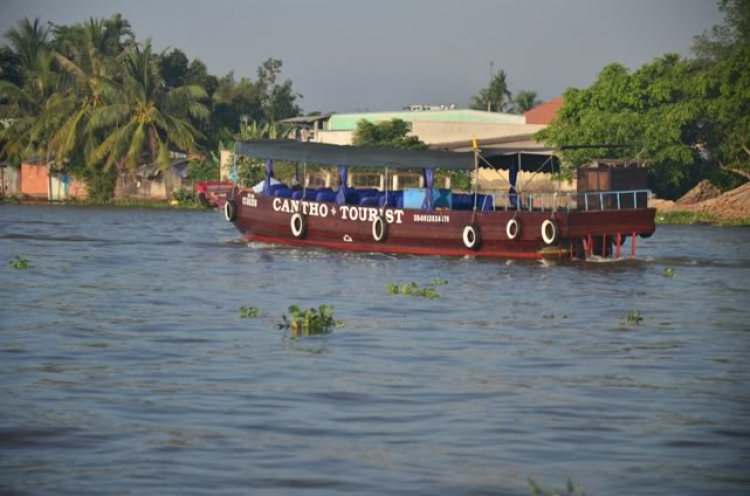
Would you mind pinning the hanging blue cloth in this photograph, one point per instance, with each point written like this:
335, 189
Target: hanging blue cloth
512, 193
429, 176
269, 175
341, 195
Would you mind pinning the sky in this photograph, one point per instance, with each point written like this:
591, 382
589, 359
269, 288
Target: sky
379, 55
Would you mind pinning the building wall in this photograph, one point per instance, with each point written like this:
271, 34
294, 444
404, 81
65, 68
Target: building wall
442, 132
10, 181
73, 190
34, 181
348, 122
446, 132
335, 137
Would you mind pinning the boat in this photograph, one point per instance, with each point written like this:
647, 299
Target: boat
213, 193
589, 222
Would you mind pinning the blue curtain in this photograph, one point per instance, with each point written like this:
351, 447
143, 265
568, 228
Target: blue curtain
512, 177
341, 195
429, 176
269, 175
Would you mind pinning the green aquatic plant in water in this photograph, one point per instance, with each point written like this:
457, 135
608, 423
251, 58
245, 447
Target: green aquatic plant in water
310, 322
439, 282
633, 318
413, 289
570, 490
20, 263
249, 312
668, 272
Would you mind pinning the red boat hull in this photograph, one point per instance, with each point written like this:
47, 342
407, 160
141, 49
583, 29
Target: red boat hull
326, 225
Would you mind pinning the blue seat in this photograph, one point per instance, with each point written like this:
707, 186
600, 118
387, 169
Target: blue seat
369, 201
365, 192
297, 195
488, 203
463, 201
283, 192
326, 197
310, 195
351, 196
274, 187
393, 197
400, 202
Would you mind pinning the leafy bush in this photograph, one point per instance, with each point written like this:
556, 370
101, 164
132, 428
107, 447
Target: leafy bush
204, 170
183, 195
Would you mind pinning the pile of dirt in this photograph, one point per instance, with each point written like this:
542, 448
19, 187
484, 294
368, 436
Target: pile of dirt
703, 191
732, 205
660, 204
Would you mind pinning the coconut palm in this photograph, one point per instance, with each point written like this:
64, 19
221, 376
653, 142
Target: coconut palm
29, 108
90, 64
525, 101
27, 40
140, 116
495, 97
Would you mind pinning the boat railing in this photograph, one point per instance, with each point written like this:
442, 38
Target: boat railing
564, 200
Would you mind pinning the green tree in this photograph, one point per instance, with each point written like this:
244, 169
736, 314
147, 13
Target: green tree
724, 57
173, 67
27, 40
654, 111
10, 69
525, 101
197, 73
140, 117
278, 100
496, 97
233, 103
386, 134
31, 108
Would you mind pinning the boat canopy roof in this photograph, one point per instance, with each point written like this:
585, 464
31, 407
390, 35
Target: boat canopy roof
530, 160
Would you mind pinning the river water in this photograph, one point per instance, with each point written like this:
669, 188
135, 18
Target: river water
125, 367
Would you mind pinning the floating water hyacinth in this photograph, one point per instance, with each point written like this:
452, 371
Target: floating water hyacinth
413, 289
20, 263
633, 318
570, 490
310, 322
249, 312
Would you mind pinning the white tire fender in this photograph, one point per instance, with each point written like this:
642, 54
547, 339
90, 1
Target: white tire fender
379, 229
549, 231
298, 223
230, 211
471, 237
513, 229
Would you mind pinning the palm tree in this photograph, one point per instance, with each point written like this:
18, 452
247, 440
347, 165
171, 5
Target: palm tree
27, 40
26, 103
495, 97
525, 101
30, 109
90, 64
140, 116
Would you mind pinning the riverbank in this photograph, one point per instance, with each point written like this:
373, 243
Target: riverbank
692, 218
159, 204
704, 204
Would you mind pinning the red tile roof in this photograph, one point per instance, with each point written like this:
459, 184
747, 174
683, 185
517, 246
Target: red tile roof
544, 113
